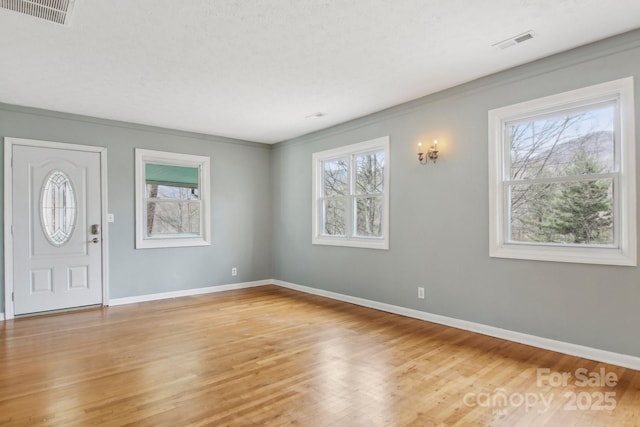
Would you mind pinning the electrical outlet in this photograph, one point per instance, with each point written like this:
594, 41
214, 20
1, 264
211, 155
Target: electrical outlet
234, 271
420, 293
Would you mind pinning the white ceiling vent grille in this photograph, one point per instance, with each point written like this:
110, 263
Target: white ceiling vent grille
515, 40
58, 11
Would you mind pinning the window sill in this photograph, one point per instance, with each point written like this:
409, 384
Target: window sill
171, 243
353, 243
589, 255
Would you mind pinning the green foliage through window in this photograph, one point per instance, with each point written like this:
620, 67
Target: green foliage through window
562, 171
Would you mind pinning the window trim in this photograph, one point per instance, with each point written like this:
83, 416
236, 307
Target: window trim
349, 240
625, 215
142, 157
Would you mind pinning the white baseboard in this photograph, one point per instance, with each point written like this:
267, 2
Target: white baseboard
627, 361
187, 292
2, 316
624, 360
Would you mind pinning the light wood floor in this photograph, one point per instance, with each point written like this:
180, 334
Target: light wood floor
272, 356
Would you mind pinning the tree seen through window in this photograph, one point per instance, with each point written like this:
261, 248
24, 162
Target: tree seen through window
561, 188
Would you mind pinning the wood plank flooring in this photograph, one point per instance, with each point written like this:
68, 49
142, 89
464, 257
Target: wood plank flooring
272, 356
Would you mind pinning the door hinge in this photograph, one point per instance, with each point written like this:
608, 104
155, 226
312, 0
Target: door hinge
12, 299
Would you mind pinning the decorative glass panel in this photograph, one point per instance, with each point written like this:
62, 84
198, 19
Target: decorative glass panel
58, 208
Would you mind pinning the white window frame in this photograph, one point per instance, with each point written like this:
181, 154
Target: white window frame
172, 159
350, 239
623, 251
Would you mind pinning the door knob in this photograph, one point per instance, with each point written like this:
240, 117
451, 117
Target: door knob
95, 240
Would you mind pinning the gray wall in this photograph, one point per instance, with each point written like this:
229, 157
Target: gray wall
261, 211
439, 215
240, 195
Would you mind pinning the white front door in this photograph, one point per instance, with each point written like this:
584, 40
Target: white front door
56, 211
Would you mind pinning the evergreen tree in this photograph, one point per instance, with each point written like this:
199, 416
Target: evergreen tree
583, 211
535, 220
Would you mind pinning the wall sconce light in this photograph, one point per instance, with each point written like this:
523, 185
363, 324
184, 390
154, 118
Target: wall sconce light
431, 154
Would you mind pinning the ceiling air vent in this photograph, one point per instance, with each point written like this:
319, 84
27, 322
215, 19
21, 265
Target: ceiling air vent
515, 40
57, 11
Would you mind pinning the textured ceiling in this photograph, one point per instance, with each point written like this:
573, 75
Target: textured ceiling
254, 69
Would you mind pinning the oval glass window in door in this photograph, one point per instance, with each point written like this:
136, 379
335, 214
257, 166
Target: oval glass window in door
58, 208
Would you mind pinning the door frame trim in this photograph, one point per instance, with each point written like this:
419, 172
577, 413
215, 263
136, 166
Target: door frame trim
9, 143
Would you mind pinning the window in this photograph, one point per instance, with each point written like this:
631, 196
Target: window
562, 177
172, 199
58, 208
351, 195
